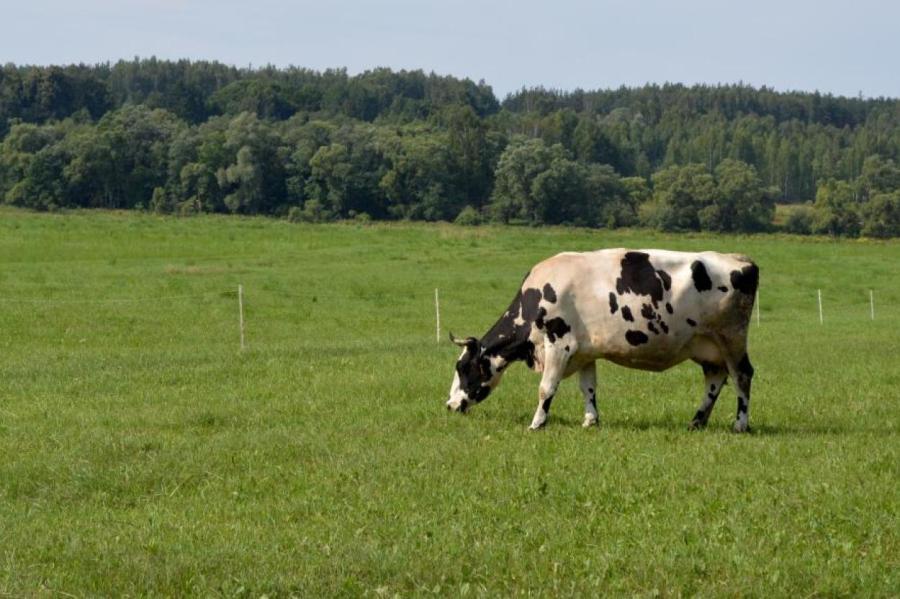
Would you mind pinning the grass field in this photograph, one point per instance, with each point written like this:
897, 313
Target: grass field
142, 453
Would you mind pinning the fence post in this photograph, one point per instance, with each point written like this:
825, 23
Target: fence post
821, 319
241, 313
437, 313
872, 304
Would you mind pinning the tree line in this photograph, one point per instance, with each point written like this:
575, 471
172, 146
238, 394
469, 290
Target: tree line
187, 137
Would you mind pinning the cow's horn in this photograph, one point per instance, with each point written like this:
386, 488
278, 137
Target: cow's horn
459, 342
467, 342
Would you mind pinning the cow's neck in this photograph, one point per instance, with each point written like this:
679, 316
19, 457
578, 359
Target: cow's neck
509, 342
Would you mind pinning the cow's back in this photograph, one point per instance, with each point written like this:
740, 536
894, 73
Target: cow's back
645, 308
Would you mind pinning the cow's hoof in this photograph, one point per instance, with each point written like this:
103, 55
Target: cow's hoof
741, 427
590, 420
537, 426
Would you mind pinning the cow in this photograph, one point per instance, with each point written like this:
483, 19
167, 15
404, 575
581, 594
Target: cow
644, 309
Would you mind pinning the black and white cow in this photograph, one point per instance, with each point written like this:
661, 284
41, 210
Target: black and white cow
646, 309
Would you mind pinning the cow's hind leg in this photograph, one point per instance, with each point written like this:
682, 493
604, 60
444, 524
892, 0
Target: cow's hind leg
714, 376
555, 360
587, 379
741, 372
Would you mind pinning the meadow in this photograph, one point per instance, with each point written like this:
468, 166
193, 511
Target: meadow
143, 453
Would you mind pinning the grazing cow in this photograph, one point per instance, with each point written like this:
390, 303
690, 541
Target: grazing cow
646, 309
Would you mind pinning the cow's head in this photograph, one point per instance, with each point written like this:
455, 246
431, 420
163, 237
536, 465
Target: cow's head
476, 375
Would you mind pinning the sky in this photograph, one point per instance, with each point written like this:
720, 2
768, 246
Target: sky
843, 48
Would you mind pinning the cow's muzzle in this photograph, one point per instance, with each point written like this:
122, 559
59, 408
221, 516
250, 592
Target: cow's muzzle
460, 407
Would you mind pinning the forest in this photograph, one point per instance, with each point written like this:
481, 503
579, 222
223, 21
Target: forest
186, 137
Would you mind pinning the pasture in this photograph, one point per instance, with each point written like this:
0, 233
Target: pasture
142, 453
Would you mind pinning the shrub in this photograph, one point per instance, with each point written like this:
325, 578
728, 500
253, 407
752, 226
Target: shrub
881, 216
468, 216
800, 220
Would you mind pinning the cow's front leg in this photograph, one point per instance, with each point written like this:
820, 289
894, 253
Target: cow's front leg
587, 379
714, 376
554, 367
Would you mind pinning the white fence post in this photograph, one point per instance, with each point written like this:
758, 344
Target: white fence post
241, 313
872, 304
821, 319
437, 313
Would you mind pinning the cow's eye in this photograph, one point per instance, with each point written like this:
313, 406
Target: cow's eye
485, 367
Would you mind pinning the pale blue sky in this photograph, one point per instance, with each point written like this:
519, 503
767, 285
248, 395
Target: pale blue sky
838, 47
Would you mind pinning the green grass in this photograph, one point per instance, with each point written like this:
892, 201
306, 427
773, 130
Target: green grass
141, 453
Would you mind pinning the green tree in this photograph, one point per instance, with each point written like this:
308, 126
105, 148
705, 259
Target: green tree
521, 162
878, 176
559, 194
741, 203
680, 193
881, 215
836, 210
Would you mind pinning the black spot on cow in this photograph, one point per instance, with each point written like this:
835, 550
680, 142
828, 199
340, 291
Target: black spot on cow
712, 388
590, 390
691, 322
639, 277
539, 321
626, 314
549, 294
593, 403
613, 304
746, 280
529, 301
567, 349
652, 328
744, 366
509, 339
664, 327
636, 337
702, 282
711, 396
526, 352
723, 288
741, 407
556, 328
665, 278
648, 312
669, 308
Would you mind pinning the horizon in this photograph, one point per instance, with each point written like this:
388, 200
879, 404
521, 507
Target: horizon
803, 46
501, 97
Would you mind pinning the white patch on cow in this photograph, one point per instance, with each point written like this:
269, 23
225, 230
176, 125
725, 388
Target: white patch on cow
497, 365
457, 395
